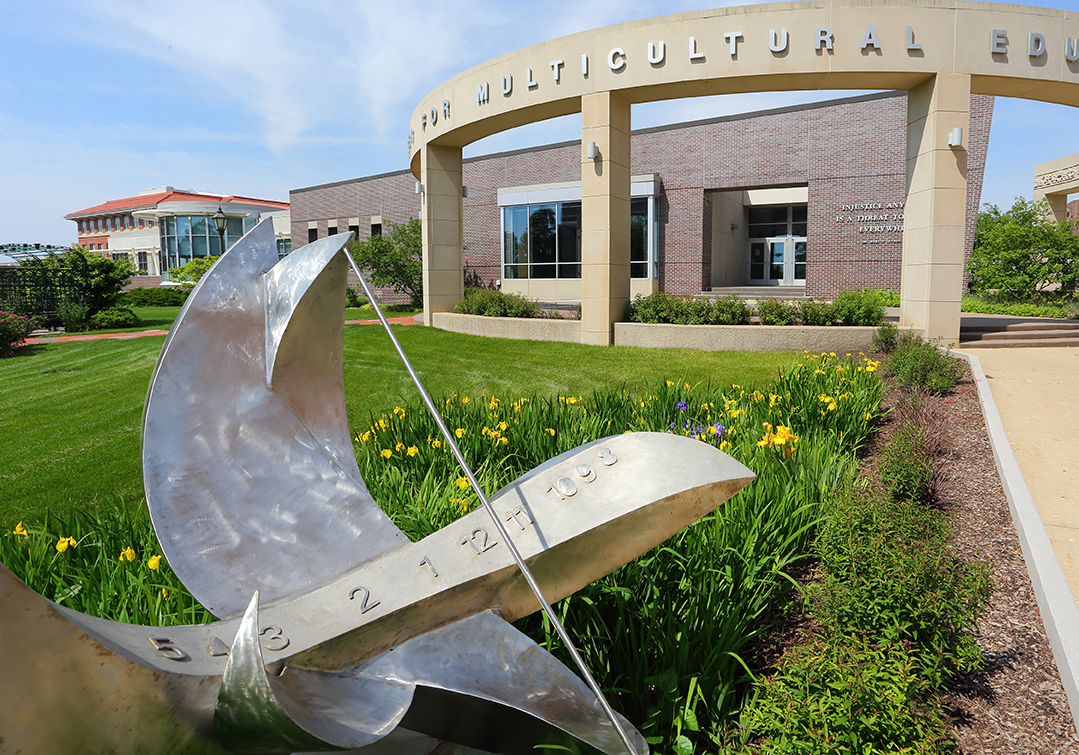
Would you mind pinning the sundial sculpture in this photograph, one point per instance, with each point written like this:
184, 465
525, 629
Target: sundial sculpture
336, 632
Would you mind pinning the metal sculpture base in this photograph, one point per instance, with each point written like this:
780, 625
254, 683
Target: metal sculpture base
336, 632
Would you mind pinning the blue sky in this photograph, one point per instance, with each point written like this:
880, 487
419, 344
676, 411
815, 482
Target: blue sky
100, 99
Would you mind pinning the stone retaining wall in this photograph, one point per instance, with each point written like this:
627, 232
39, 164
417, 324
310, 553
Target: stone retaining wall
519, 328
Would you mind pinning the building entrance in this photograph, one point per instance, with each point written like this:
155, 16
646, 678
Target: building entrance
777, 245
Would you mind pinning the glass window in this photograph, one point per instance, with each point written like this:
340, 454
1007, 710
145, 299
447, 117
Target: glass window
569, 240
542, 228
199, 247
376, 229
312, 235
799, 215
354, 230
183, 249
331, 229
756, 260
234, 230
515, 241
638, 237
143, 262
284, 248
767, 221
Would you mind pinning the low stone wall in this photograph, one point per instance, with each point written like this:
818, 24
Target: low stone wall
745, 337
519, 328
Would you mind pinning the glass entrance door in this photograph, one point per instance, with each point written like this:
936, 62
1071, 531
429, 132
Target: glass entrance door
778, 261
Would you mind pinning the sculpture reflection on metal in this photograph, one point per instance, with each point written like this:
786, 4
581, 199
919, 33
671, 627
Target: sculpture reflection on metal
336, 632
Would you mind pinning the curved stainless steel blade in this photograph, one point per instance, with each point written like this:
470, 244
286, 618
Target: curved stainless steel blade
482, 683
253, 485
63, 692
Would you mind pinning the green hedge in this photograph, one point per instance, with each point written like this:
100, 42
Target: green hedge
482, 301
165, 296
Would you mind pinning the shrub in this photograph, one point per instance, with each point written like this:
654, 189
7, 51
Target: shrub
101, 280
161, 296
1064, 309
73, 316
815, 312
775, 312
193, 271
13, 330
116, 317
395, 260
886, 337
353, 298
906, 465
664, 308
916, 364
859, 307
888, 298
730, 310
480, 301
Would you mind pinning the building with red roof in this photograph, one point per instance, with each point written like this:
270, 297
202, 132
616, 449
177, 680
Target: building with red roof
164, 228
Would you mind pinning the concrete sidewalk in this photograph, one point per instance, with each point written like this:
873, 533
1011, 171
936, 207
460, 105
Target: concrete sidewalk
1037, 394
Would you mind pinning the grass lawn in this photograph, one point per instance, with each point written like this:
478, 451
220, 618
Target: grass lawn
72, 412
355, 313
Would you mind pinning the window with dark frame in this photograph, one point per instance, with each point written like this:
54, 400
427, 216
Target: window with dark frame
376, 229
312, 235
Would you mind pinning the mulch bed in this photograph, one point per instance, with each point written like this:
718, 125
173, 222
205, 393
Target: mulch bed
1017, 703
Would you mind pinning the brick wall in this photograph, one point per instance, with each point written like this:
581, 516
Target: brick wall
850, 151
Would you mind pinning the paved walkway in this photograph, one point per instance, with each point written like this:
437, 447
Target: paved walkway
143, 333
1037, 393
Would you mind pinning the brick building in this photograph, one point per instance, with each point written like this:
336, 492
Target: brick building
809, 198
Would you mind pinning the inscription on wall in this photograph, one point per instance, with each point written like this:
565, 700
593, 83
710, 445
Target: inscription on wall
877, 222
1064, 175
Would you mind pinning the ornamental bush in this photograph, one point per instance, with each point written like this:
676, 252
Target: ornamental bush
115, 317
775, 312
861, 306
161, 296
664, 308
73, 316
395, 260
815, 312
482, 301
916, 364
13, 330
906, 468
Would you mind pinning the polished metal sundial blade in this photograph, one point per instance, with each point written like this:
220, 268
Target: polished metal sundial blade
248, 469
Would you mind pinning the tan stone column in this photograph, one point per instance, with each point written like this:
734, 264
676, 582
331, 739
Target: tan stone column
935, 213
440, 217
605, 120
1058, 203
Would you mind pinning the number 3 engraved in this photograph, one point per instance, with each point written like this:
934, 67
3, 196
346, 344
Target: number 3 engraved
483, 545
277, 639
164, 646
365, 604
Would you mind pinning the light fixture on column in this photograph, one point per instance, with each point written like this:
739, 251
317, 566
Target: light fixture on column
955, 137
419, 188
464, 192
592, 151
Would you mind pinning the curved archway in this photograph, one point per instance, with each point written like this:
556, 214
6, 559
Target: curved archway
939, 52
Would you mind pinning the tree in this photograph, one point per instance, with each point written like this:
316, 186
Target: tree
101, 278
193, 270
395, 261
1023, 252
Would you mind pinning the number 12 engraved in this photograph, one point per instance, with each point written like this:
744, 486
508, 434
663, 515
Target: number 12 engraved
483, 545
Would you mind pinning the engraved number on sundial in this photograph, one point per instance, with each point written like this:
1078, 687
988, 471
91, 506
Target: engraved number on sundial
484, 544
519, 517
607, 456
365, 602
586, 473
277, 639
427, 562
563, 487
164, 646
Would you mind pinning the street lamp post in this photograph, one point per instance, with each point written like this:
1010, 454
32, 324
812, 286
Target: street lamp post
220, 221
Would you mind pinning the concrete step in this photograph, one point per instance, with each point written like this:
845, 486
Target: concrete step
1018, 335
1018, 343
757, 292
1022, 327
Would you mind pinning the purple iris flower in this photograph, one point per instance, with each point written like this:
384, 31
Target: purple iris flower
720, 429
681, 406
